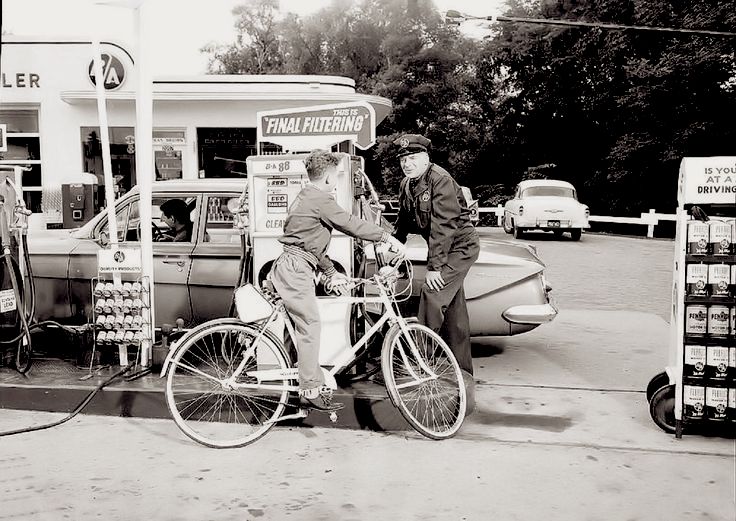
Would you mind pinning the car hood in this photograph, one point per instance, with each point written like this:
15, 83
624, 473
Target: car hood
52, 242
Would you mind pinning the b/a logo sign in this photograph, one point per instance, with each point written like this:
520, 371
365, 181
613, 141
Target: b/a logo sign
112, 69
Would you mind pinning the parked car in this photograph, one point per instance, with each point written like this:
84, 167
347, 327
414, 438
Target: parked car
194, 280
548, 205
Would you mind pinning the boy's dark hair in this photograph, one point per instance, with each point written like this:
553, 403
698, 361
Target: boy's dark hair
177, 209
318, 161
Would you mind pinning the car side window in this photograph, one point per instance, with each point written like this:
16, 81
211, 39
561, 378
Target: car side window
220, 225
122, 217
173, 218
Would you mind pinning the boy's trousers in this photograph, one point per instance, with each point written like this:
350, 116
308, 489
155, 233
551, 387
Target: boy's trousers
293, 278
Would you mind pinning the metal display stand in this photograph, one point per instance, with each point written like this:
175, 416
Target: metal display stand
120, 317
698, 387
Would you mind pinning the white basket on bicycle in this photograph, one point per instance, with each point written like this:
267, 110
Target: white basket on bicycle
251, 304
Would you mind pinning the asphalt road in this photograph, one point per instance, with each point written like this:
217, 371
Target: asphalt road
561, 432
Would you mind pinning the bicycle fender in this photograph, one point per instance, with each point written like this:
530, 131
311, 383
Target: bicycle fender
215, 322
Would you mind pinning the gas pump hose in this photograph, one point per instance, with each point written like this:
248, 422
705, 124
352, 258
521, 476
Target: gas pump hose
76, 410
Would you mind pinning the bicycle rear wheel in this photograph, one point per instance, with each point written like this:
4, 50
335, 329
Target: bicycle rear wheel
207, 411
425, 384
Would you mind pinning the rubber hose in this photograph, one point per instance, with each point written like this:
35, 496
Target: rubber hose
32, 283
19, 305
76, 411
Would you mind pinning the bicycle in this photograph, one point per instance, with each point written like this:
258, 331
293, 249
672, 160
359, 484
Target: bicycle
229, 381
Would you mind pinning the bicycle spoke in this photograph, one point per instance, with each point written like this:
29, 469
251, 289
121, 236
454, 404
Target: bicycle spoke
214, 414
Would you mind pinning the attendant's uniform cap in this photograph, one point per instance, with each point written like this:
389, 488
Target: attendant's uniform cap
411, 144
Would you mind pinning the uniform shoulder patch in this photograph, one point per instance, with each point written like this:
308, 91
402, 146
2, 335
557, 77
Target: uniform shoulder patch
425, 196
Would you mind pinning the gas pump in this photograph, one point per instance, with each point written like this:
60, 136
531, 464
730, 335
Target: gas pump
273, 183
14, 314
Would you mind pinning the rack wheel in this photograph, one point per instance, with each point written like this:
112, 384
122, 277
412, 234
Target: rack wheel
662, 408
657, 383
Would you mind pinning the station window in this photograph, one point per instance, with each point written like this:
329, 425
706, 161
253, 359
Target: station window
24, 149
122, 157
168, 147
223, 151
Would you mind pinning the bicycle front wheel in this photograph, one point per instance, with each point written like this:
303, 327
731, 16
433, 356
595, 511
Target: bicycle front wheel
424, 381
211, 413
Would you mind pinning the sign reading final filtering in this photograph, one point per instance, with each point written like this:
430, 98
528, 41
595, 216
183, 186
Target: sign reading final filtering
320, 126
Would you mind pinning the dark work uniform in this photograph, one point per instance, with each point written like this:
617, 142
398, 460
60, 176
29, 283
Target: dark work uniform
434, 207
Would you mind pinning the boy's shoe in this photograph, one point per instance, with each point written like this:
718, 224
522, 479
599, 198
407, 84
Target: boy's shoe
320, 400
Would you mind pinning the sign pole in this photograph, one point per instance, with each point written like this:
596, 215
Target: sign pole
112, 224
144, 170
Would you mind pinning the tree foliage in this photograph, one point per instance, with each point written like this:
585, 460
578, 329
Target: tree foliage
611, 111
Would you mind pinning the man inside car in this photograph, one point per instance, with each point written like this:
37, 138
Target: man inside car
175, 214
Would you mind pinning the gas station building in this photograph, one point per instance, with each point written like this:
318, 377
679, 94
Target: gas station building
203, 126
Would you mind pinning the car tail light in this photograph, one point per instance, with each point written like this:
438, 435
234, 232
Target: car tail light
521, 210
587, 212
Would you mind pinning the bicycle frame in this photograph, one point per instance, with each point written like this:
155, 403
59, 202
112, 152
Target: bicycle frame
343, 360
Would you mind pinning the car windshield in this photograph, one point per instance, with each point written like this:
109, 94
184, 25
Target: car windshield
549, 191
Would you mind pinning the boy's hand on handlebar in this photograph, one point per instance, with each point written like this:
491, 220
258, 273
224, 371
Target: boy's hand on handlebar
339, 284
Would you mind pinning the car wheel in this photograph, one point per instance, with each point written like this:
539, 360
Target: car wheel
575, 234
518, 232
505, 222
662, 408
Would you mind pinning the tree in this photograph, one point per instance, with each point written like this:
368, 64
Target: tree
616, 111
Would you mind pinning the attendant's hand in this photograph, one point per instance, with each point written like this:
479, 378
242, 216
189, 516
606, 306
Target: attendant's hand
398, 248
434, 280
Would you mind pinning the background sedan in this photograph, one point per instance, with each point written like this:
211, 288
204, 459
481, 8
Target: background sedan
548, 205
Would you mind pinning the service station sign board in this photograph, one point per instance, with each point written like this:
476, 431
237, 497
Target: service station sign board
708, 180
321, 126
119, 260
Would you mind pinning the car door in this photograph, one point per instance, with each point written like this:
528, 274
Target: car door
216, 258
171, 260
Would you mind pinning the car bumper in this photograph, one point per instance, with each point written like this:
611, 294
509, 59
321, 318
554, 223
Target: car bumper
535, 314
544, 223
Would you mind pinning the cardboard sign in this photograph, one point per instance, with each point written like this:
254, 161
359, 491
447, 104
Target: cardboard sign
708, 180
321, 126
7, 301
119, 260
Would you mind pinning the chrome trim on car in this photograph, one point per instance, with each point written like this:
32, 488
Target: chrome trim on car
530, 314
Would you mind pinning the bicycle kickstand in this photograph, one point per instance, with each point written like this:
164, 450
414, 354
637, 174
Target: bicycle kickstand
302, 412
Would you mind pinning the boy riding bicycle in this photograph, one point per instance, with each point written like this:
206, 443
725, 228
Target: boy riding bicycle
307, 234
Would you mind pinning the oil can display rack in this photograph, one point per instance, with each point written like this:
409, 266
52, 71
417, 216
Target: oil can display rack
697, 390
120, 316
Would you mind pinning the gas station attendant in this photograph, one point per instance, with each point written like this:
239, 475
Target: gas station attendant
432, 204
